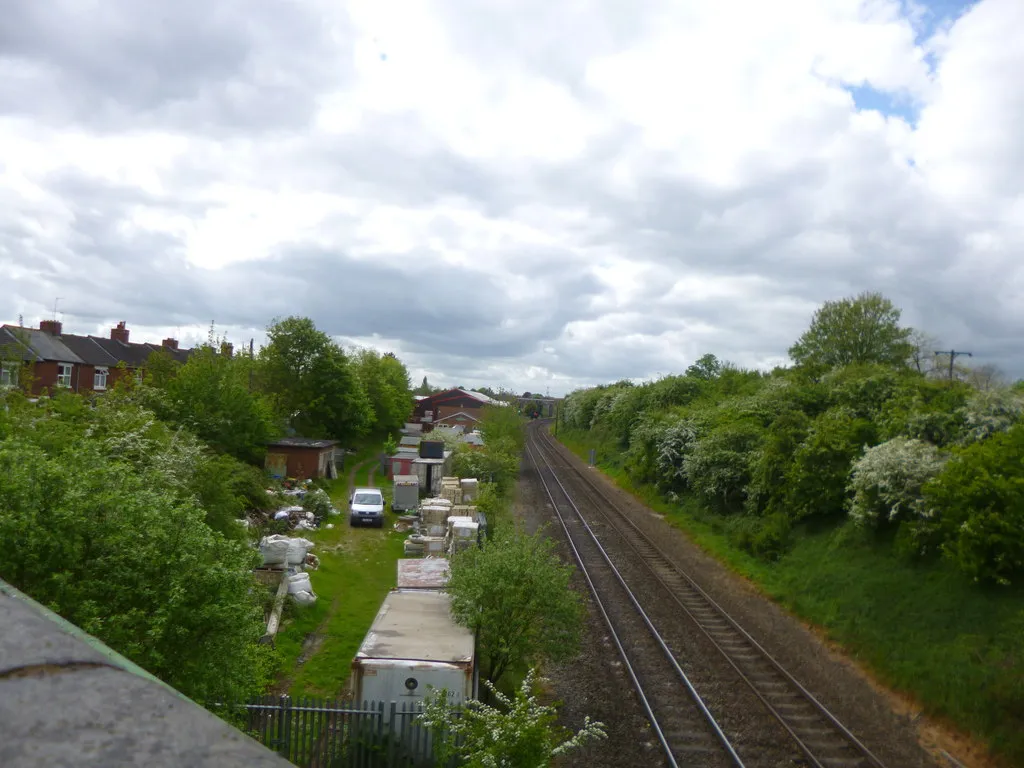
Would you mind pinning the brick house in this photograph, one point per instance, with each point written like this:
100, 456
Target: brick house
69, 361
454, 407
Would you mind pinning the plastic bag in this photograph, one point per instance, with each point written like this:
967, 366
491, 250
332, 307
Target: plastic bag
304, 598
297, 550
274, 549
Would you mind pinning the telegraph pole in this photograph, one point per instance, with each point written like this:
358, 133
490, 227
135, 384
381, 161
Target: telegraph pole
953, 354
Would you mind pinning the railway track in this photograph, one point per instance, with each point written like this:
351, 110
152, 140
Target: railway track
680, 720
821, 739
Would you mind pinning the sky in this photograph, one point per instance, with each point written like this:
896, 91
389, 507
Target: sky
519, 194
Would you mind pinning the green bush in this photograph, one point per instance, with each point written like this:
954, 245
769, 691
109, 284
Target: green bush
975, 505
768, 538
886, 481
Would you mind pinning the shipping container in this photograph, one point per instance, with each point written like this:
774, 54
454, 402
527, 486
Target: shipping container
407, 493
413, 645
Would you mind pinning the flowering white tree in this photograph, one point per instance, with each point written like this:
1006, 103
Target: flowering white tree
989, 412
886, 481
675, 443
519, 733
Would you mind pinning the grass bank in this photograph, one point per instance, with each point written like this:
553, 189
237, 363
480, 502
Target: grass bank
955, 648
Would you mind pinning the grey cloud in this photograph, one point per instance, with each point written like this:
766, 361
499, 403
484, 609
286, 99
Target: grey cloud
192, 65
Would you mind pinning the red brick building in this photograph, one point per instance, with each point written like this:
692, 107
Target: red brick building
454, 407
57, 360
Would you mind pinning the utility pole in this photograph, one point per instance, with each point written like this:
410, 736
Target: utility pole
953, 354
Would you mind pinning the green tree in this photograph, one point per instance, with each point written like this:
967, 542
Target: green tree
210, 396
312, 383
519, 733
117, 553
515, 592
386, 382
707, 367
863, 329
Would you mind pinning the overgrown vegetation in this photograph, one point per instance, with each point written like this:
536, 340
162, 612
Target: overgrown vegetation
121, 511
519, 732
864, 452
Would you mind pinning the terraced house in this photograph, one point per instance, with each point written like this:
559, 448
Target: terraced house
58, 360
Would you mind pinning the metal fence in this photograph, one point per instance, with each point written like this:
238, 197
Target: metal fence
334, 733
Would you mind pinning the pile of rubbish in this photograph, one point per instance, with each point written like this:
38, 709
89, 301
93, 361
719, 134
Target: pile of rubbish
294, 557
308, 515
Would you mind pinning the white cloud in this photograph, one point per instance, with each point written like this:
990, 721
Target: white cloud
528, 194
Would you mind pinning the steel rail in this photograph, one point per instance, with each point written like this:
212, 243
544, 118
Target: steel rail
719, 735
866, 757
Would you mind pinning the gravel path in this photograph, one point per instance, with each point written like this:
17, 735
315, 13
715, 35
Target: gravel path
593, 684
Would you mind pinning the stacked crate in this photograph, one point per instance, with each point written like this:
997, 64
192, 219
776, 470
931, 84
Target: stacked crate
470, 489
451, 489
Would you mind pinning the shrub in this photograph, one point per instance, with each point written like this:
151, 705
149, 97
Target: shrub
717, 467
821, 463
989, 412
675, 443
886, 481
519, 732
975, 507
768, 538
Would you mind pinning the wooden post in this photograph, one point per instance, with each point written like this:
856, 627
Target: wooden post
275, 613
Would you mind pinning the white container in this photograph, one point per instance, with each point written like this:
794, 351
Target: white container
414, 644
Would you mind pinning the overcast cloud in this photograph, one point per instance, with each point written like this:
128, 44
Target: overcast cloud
525, 194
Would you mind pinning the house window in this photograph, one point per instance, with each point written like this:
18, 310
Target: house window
138, 375
8, 375
99, 379
64, 374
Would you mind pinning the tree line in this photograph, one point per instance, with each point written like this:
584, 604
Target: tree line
866, 424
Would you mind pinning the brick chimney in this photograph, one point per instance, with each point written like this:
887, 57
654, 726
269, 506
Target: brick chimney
120, 333
227, 349
52, 327
170, 343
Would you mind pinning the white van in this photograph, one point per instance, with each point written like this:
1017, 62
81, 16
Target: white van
366, 506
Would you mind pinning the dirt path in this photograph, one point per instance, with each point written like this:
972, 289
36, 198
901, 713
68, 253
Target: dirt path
351, 482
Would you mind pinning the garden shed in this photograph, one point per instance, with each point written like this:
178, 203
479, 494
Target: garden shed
301, 457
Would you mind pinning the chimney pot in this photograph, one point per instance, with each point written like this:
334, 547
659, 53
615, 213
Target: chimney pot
120, 333
170, 343
52, 327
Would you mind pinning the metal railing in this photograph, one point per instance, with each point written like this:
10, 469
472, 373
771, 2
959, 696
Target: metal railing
334, 733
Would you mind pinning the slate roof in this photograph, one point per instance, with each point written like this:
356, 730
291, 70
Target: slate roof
43, 345
11, 347
87, 349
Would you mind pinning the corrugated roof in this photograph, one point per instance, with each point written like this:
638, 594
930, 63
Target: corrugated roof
302, 442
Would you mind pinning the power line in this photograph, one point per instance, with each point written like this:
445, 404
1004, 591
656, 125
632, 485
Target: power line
952, 356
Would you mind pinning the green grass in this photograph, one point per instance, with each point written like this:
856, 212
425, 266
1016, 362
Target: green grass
357, 568
955, 648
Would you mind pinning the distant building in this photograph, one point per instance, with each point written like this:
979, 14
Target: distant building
453, 407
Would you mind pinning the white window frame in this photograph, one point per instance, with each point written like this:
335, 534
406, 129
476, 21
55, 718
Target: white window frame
99, 378
9, 375
64, 374
138, 375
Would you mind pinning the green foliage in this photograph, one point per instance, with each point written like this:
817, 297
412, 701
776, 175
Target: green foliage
976, 504
886, 481
717, 468
863, 329
97, 541
515, 592
986, 413
386, 382
518, 733
312, 383
210, 396
767, 538
817, 478
707, 367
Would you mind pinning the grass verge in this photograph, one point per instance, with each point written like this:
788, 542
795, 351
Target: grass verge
316, 644
953, 647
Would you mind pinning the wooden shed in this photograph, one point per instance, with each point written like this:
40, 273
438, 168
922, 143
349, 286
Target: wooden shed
301, 458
